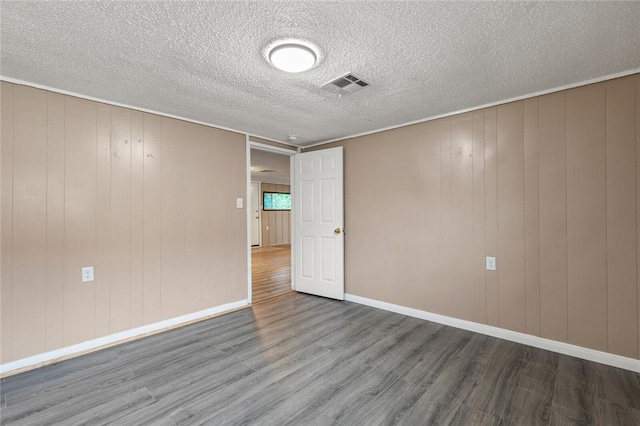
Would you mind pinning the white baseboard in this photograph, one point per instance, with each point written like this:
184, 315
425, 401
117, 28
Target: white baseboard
121, 337
514, 336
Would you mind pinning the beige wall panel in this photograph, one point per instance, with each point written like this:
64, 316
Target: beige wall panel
375, 286
491, 213
479, 272
402, 188
462, 216
284, 225
6, 221
622, 306
173, 218
55, 222
264, 222
121, 260
531, 217
553, 216
80, 219
382, 272
219, 219
195, 141
359, 195
510, 175
586, 217
638, 202
379, 240
206, 274
286, 228
432, 208
137, 220
152, 285
237, 247
29, 221
279, 227
223, 249
272, 231
445, 216
209, 206
273, 228
102, 271
279, 232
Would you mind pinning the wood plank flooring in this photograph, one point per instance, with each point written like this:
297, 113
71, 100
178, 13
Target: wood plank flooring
304, 360
270, 271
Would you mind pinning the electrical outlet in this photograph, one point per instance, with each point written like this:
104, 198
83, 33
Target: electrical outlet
239, 203
491, 263
87, 274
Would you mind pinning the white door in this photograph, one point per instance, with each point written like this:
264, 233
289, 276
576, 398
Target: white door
318, 223
255, 213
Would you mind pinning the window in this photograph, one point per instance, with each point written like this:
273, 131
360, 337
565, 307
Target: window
276, 201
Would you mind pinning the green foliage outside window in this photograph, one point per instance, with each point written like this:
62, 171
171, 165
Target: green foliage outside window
276, 201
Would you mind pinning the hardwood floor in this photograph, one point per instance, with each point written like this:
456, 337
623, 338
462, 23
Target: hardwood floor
270, 271
299, 359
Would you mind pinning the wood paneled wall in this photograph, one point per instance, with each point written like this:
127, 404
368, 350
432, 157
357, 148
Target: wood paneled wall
277, 222
548, 185
148, 201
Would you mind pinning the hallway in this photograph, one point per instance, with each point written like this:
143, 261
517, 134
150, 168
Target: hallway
270, 271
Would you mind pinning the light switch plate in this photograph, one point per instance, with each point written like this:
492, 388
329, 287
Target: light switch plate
87, 274
239, 203
491, 263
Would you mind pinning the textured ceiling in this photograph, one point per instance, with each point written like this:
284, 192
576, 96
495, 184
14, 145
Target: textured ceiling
204, 60
277, 166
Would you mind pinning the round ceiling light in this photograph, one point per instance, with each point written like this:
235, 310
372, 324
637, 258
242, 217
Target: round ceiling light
292, 57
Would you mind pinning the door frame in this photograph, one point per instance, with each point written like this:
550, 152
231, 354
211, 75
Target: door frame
295, 222
277, 150
259, 213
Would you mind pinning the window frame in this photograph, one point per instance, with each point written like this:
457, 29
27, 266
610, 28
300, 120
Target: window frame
275, 210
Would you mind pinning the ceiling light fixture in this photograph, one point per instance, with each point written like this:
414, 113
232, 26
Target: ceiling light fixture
292, 57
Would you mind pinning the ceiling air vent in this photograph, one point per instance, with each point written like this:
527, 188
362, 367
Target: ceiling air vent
348, 83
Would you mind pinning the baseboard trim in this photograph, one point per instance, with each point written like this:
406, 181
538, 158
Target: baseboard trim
514, 336
57, 355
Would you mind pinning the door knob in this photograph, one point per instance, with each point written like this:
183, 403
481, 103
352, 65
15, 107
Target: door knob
337, 231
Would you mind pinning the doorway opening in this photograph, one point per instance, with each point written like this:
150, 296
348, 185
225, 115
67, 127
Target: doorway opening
270, 208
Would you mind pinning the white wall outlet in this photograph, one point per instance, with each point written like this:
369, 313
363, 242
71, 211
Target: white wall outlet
491, 263
87, 274
239, 203
267, 227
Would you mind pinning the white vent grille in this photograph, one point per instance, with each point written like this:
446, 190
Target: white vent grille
345, 84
